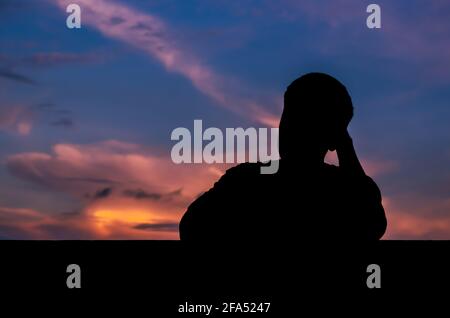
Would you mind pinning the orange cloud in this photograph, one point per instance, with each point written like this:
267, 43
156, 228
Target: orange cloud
18, 223
127, 191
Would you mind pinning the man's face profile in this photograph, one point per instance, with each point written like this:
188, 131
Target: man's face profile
316, 114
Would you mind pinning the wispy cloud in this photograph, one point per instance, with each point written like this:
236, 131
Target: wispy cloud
14, 76
153, 36
9, 65
157, 227
51, 59
63, 122
140, 194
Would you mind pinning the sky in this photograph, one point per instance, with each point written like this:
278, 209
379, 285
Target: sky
86, 114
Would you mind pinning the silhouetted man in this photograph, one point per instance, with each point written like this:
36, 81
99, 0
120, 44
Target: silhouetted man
306, 198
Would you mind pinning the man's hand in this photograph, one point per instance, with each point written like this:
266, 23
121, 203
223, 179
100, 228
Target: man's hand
348, 160
343, 140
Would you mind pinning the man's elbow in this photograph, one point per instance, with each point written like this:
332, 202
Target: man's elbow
378, 225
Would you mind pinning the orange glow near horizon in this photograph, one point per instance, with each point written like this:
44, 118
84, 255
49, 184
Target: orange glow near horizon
107, 216
118, 218
106, 219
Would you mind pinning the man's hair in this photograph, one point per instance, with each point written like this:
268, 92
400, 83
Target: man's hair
318, 96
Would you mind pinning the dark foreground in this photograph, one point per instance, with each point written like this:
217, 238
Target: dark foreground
162, 275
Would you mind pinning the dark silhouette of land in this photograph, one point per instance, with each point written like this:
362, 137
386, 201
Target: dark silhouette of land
307, 198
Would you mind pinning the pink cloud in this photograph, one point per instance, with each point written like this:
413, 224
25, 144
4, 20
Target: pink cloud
152, 35
157, 195
415, 217
111, 162
147, 193
410, 227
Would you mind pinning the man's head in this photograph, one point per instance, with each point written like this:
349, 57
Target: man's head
317, 110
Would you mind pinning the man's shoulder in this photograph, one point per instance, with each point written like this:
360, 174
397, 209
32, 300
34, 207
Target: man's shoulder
245, 168
242, 175
244, 172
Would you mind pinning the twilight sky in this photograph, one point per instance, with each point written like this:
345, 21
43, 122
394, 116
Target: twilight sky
86, 115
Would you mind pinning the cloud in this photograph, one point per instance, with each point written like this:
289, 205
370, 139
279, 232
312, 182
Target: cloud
143, 194
16, 119
147, 201
103, 193
51, 108
425, 43
30, 224
9, 64
413, 216
406, 226
411, 37
151, 35
144, 188
22, 119
61, 117
52, 59
11, 75
158, 226
140, 194
72, 168
20, 223
63, 122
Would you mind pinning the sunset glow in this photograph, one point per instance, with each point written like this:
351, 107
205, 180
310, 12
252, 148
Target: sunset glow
86, 114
